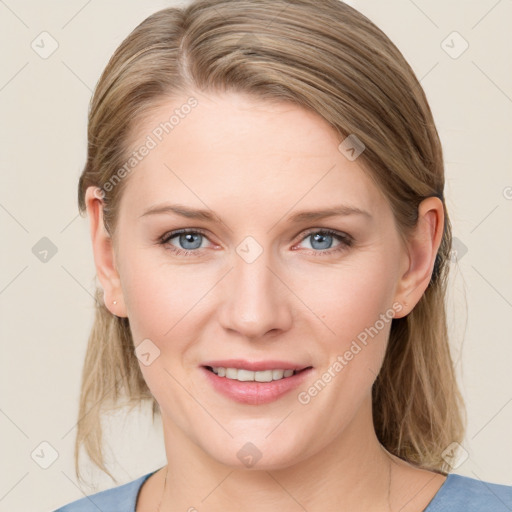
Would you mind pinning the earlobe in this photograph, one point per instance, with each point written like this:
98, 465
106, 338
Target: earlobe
422, 246
104, 257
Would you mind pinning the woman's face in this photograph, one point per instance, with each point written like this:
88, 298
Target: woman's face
257, 286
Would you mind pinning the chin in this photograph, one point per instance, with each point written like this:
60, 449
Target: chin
242, 453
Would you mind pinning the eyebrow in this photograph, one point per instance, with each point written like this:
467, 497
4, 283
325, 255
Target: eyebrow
208, 215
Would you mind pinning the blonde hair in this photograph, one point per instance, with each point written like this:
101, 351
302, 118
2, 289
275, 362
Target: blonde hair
330, 59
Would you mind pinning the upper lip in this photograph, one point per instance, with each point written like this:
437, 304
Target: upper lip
256, 365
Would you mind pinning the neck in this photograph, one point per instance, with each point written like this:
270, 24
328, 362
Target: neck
352, 472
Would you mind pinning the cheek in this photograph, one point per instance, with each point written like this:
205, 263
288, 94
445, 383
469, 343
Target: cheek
350, 298
162, 302
165, 304
355, 305
158, 295
346, 298
357, 308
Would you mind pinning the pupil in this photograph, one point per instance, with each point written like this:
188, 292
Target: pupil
189, 238
318, 237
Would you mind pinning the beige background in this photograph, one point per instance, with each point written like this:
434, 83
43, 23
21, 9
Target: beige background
46, 307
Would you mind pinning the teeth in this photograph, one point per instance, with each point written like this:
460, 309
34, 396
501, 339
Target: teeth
231, 373
277, 374
250, 376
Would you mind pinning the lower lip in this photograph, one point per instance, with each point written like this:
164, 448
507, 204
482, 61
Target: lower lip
255, 393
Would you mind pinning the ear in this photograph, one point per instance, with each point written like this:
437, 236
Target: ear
422, 246
104, 257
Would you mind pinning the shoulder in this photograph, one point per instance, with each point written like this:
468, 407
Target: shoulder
119, 499
465, 494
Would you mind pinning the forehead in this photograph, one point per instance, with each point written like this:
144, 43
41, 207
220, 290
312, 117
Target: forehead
234, 150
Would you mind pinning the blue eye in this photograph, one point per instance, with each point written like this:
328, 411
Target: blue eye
190, 241
321, 239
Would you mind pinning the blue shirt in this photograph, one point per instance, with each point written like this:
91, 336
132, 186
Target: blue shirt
457, 494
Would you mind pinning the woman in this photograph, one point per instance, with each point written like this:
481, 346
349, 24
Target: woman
264, 184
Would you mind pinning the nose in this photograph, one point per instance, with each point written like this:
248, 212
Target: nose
255, 301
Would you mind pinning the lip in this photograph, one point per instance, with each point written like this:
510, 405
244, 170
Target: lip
256, 366
255, 393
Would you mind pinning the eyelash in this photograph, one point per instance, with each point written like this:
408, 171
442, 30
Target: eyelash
345, 239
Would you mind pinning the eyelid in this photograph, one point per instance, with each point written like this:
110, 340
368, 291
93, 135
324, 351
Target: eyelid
346, 239
174, 233
342, 234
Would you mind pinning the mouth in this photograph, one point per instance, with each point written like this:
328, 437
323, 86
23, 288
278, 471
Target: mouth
244, 375
254, 383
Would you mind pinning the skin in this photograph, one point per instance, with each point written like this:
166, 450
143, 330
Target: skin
254, 164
